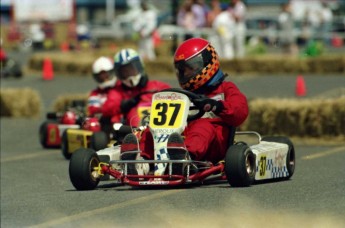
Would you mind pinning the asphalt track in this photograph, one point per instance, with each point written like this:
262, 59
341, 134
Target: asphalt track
36, 191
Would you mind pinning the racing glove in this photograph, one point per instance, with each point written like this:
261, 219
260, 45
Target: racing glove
208, 104
127, 105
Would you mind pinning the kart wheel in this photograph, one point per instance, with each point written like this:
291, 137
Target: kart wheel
290, 158
64, 145
43, 134
240, 165
99, 140
81, 168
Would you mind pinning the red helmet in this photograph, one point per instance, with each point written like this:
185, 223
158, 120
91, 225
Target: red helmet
92, 124
69, 117
197, 65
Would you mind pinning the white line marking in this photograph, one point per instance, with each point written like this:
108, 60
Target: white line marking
324, 153
95, 212
27, 156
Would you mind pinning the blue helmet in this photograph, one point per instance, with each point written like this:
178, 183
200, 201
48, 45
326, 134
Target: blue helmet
129, 68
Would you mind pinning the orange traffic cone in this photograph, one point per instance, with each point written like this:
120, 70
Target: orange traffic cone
47, 71
301, 89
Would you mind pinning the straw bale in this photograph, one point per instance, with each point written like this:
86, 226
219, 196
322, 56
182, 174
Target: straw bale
24, 102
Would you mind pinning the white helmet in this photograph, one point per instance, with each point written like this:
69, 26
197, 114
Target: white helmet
103, 72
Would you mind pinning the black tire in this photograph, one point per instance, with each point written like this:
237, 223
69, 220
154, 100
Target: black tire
240, 165
81, 166
290, 158
99, 140
43, 134
64, 145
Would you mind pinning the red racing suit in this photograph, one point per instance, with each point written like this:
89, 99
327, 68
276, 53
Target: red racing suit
207, 138
112, 105
97, 100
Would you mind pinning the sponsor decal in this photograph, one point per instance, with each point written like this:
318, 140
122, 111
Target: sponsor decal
52, 135
262, 165
164, 131
154, 182
180, 57
279, 159
172, 96
162, 137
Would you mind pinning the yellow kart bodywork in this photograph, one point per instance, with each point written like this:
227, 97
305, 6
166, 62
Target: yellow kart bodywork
77, 138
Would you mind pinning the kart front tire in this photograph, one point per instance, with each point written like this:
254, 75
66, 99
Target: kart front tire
290, 157
240, 165
81, 166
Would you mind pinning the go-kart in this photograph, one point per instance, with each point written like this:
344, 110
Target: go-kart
100, 137
272, 158
51, 130
11, 68
89, 135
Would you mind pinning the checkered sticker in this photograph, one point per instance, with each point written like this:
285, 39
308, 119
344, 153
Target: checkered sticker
162, 154
270, 160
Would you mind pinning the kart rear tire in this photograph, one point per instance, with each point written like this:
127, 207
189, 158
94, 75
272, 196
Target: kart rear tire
240, 165
43, 134
64, 145
290, 158
99, 140
81, 166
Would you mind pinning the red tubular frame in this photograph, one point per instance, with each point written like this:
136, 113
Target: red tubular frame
163, 180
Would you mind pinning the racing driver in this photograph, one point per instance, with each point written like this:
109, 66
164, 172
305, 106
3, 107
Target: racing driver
133, 97
198, 70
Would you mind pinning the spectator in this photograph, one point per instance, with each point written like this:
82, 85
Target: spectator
198, 8
224, 25
238, 11
37, 36
286, 24
326, 22
187, 19
213, 13
192, 16
145, 25
49, 34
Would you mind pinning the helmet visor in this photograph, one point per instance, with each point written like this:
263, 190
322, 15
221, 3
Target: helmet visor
125, 71
103, 76
189, 68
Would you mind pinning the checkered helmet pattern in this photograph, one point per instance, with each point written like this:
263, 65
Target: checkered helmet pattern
211, 67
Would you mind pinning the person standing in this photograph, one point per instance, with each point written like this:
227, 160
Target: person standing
326, 22
238, 11
224, 26
286, 25
145, 25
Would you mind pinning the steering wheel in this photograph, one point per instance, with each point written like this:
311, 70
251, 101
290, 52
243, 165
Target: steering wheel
192, 96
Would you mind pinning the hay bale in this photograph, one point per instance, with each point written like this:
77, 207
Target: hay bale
24, 102
62, 102
79, 63
294, 117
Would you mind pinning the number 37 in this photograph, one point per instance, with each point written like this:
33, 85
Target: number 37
166, 113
